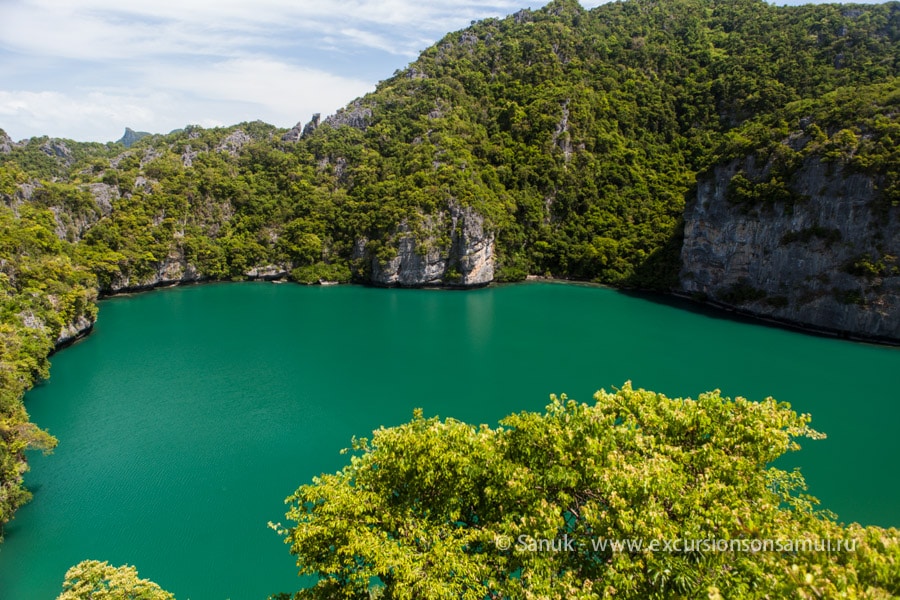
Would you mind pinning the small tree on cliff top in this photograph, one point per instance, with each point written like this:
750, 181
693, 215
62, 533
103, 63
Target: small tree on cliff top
441, 509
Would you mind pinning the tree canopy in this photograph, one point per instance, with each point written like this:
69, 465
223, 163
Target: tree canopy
95, 580
441, 509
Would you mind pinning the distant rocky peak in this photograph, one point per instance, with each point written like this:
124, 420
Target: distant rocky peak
131, 136
299, 130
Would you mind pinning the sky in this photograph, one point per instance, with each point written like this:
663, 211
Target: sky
86, 69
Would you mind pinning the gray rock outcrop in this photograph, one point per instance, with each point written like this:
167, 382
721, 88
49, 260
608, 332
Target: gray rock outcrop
188, 156
295, 133
827, 261
421, 260
300, 130
312, 125
6, 143
74, 331
267, 272
57, 149
104, 195
234, 142
173, 270
355, 115
24, 193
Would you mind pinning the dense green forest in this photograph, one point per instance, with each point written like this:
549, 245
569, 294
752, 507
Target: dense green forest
577, 135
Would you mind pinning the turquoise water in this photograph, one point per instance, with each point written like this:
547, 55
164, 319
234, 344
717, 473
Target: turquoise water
189, 414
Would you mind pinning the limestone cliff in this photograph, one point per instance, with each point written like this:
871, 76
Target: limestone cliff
173, 270
74, 331
357, 115
464, 259
823, 255
6, 143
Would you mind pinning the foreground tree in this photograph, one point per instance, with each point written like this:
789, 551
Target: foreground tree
441, 509
95, 580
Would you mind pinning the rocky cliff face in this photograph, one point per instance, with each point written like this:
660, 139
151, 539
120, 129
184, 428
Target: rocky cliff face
825, 260
176, 270
73, 225
6, 143
173, 270
74, 331
357, 115
421, 259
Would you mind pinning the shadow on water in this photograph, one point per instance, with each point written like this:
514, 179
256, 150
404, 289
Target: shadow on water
659, 273
736, 315
696, 307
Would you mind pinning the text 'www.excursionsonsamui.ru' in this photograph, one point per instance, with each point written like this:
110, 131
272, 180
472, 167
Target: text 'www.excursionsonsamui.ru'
567, 543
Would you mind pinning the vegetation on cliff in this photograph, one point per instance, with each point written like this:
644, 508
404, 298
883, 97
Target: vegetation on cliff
851, 129
42, 290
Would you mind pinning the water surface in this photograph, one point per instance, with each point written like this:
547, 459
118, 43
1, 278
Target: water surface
191, 413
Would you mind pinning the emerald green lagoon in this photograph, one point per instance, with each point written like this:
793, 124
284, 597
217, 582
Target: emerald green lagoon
189, 414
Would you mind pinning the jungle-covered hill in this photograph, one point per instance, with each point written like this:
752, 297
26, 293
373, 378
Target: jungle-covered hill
561, 142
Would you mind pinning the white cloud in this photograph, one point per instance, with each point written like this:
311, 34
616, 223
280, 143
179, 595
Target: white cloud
86, 116
376, 41
224, 93
267, 89
104, 29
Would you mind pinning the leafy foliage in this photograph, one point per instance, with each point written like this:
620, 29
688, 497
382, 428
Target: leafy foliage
95, 580
41, 291
441, 509
851, 129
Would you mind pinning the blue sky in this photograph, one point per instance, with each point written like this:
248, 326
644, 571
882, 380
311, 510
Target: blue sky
86, 69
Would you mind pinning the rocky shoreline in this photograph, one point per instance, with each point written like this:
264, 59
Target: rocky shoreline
83, 326
784, 323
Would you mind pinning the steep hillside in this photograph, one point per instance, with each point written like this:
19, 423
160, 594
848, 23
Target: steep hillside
559, 142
